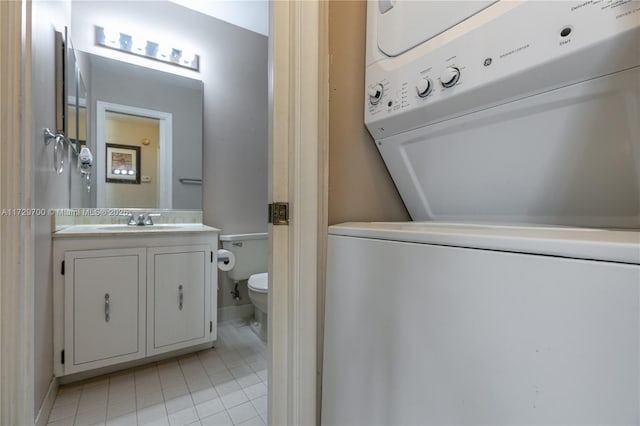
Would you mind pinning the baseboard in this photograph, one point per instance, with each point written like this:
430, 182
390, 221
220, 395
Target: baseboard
47, 404
235, 312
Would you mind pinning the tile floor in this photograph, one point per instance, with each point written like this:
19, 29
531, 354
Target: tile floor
226, 385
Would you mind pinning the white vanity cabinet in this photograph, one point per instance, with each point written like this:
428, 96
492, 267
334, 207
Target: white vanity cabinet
177, 295
104, 307
126, 296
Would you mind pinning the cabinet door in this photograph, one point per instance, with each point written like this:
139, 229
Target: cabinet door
104, 307
178, 297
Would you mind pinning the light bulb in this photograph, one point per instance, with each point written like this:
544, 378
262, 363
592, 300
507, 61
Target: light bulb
111, 36
138, 44
187, 57
164, 52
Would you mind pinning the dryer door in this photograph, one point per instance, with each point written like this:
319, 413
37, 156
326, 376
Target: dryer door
419, 20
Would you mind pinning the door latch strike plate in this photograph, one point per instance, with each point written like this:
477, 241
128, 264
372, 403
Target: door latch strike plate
279, 213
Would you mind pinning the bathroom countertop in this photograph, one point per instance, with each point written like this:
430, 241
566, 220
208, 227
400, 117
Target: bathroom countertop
102, 230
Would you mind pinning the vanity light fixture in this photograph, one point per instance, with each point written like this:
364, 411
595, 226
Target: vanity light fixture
138, 46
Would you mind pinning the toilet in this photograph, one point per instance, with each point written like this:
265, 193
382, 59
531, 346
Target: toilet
251, 253
259, 295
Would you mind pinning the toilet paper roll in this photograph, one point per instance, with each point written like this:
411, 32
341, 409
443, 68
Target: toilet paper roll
226, 260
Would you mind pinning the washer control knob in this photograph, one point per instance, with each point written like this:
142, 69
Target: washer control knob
424, 87
449, 76
375, 93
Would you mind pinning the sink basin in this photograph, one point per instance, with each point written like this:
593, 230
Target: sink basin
136, 228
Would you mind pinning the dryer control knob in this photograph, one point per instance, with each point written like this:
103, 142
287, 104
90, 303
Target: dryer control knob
424, 87
375, 93
449, 76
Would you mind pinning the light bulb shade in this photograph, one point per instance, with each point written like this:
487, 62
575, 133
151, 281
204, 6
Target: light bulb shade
141, 46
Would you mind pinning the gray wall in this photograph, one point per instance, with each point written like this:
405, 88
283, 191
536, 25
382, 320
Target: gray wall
120, 83
234, 71
49, 190
360, 187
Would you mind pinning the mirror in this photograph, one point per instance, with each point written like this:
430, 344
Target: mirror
70, 94
145, 132
71, 86
61, 81
76, 103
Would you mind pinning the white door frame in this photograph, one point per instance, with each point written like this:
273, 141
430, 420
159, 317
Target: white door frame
16, 235
165, 194
298, 78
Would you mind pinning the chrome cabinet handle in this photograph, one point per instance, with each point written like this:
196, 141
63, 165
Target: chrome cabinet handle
180, 297
106, 308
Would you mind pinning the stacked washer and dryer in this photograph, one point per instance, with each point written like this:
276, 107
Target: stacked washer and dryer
512, 132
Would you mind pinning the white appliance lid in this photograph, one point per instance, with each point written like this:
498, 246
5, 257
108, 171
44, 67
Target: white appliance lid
579, 243
259, 282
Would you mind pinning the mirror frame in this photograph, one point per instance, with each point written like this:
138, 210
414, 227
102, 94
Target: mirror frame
60, 81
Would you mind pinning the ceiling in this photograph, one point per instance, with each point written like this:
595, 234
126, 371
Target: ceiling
252, 15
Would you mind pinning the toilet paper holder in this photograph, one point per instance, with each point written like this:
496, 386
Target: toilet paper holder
226, 260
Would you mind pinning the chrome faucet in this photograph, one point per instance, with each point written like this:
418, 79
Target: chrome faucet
141, 220
149, 220
132, 218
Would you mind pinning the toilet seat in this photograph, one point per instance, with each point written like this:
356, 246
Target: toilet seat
259, 282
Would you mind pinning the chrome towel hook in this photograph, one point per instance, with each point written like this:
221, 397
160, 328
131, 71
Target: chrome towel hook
58, 154
49, 136
59, 141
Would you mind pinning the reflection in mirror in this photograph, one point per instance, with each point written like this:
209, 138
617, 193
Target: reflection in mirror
71, 85
77, 114
122, 96
137, 145
77, 125
76, 93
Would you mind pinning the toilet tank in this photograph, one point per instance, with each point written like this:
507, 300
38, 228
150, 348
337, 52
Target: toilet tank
251, 252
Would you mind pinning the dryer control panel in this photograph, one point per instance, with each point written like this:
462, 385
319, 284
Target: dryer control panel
508, 51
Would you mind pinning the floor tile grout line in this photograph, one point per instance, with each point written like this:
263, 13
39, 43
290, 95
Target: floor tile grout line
135, 394
189, 390
106, 407
235, 345
77, 406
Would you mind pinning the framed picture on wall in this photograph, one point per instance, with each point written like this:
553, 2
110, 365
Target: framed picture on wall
123, 164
